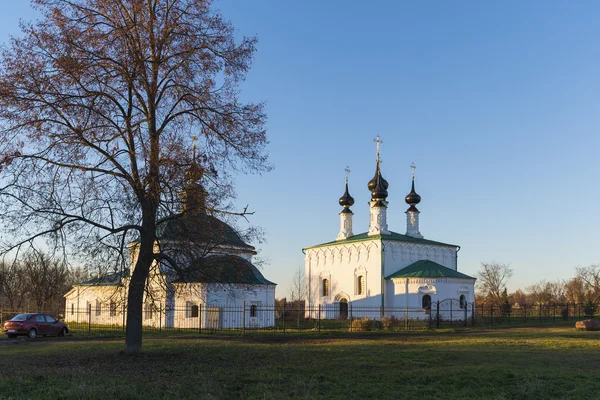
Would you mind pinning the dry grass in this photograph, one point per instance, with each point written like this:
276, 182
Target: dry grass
519, 363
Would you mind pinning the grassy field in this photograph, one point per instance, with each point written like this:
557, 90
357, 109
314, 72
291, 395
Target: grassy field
517, 363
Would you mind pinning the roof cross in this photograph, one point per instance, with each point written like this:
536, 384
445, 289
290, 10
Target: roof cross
378, 143
347, 169
413, 167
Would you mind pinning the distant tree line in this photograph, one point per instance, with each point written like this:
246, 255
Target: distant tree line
582, 288
36, 282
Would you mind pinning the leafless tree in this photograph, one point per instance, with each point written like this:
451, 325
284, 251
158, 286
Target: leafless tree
99, 101
590, 276
547, 292
13, 286
492, 279
47, 281
299, 290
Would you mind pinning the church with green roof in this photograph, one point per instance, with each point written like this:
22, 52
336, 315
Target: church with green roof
384, 270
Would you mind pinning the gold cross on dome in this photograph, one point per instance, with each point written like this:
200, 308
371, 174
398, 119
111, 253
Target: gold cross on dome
413, 167
347, 169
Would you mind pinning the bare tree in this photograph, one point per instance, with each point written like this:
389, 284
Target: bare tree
99, 101
47, 281
590, 276
13, 286
545, 292
299, 291
492, 279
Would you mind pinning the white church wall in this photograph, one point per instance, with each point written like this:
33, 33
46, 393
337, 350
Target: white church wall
342, 265
399, 255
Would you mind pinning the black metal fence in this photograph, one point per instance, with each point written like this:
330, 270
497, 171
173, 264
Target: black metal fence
283, 318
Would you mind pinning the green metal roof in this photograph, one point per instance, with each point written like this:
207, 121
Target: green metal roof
392, 236
104, 280
223, 269
427, 269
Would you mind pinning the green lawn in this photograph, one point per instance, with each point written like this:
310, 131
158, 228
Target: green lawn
516, 363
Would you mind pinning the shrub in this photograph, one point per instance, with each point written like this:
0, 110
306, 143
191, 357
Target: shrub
365, 324
389, 323
589, 309
564, 312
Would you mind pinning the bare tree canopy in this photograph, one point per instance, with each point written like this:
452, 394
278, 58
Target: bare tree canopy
99, 101
299, 289
590, 277
492, 279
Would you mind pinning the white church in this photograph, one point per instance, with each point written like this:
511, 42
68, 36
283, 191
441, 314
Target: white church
215, 284
383, 270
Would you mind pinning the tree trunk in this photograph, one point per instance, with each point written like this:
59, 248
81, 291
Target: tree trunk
135, 297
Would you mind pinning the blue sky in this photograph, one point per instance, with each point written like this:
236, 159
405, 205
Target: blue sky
497, 103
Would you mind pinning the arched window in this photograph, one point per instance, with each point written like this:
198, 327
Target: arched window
72, 308
360, 285
463, 301
426, 302
194, 311
253, 310
98, 307
325, 287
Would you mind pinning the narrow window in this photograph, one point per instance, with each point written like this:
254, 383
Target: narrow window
253, 310
194, 311
463, 301
113, 308
325, 287
72, 308
360, 284
189, 306
426, 302
98, 307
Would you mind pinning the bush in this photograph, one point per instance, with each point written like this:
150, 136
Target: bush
365, 324
389, 323
589, 309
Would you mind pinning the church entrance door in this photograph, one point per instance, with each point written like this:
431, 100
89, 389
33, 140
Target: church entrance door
343, 309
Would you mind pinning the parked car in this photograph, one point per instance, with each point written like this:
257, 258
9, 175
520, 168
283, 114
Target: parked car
33, 325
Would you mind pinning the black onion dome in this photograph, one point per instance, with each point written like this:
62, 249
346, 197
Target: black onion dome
373, 182
412, 198
378, 186
346, 200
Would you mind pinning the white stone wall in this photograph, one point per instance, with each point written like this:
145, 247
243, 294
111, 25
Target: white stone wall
341, 265
399, 255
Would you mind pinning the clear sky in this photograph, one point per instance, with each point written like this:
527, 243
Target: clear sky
497, 103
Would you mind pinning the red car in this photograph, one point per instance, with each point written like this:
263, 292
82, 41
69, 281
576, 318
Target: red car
33, 325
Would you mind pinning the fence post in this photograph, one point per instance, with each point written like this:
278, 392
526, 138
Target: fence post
540, 312
284, 301
351, 318
567, 311
406, 318
554, 312
244, 317
525, 312
492, 314
160, 317
437, 317
200, 319
466, 312
430, 319
451, 311
89, 317
319, 320
124, 313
